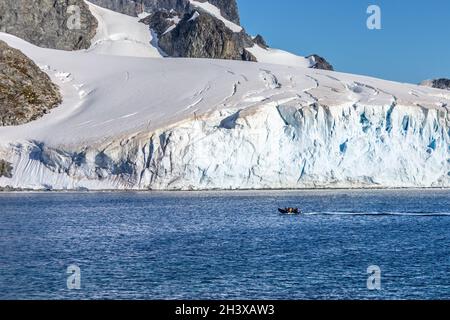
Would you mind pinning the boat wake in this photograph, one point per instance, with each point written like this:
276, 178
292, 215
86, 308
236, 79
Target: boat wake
405, 214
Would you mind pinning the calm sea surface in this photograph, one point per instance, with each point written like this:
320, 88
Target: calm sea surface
224, 245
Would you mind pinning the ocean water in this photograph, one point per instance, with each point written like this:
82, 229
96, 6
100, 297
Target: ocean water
225, 245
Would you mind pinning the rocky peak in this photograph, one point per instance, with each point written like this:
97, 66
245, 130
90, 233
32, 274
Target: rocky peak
442, 83
161, 21
200, 35
45, 23
320, 62
228, 9
259, 40
26, 92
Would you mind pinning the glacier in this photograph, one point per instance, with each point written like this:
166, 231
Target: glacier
273, 146
147, 123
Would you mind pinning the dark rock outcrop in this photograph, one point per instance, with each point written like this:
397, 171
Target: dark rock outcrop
259, 40
44, 23
320, 63
5, 169
442, 83
228, 8
200, 35
26, 93
160, 21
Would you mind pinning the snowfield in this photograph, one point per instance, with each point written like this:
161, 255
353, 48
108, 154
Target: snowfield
189, 124
276, 56
122, 35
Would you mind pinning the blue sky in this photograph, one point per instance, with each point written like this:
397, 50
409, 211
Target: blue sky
413, 44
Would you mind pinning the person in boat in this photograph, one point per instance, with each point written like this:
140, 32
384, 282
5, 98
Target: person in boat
291, 210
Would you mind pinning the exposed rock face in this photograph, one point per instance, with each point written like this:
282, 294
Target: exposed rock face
26, 93
5, 169
259, 40
45, 23
437, 83
228, 8
161, 21
200, 35
320, 63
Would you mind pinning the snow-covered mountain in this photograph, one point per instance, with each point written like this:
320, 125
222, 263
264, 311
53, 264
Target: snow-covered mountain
193, 29
133, 120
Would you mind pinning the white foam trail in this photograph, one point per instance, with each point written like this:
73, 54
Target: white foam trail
406, 214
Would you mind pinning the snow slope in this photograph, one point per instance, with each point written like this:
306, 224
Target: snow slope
122, 35
139, 123
276, 56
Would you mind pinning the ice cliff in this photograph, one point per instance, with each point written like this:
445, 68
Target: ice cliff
284, 145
